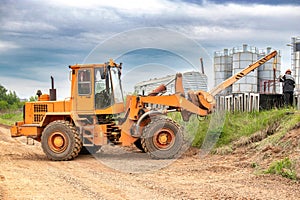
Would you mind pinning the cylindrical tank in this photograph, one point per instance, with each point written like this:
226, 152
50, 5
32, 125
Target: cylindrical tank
223, 68
240, 60
297, 71
266, 74
295, 47
194, 81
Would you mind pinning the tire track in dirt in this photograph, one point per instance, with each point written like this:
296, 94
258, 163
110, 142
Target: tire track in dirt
108, 183
74, 182
80, 177
2, 196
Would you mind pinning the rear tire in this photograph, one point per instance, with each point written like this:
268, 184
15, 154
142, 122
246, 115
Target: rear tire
61, 141
163, 138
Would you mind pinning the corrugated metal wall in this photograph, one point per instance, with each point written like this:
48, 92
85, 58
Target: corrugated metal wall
296, 62
191, 81
266, 75
241, 60
223, 68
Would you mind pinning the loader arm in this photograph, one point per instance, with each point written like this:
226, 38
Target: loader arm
231, 80
197, 102
206, 101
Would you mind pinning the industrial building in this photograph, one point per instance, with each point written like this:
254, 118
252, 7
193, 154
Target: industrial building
264, 80
192, 80
260, 89
256, 90
295, 55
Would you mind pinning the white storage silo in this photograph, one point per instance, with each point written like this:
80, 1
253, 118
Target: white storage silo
240, 60
223, 68
296, 62
266, 74
297, 72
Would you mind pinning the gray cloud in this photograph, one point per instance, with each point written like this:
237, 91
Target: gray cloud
54, 34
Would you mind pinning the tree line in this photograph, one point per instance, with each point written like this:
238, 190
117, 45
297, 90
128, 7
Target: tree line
9, 100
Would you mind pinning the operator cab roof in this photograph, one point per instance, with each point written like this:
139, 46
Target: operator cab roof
111, 63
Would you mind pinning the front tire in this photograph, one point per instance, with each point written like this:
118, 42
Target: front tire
162, 138
61, 141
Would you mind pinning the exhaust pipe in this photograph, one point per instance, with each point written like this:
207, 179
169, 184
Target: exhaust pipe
52, 91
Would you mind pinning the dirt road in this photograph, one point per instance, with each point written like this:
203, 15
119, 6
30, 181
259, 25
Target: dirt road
115, 173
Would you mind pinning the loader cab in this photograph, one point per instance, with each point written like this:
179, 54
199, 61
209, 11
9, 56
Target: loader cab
97, 89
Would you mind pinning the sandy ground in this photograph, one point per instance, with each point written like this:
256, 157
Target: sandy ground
116, 173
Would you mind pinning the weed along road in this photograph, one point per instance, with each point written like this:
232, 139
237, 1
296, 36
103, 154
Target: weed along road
26, 173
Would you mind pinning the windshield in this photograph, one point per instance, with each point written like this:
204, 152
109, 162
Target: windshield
116, 86
107, 88
99, 83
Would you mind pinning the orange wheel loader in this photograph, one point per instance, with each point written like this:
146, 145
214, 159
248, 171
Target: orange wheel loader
96, 114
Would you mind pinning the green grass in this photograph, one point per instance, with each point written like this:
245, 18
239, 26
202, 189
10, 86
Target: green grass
284, 167
224, 129
245, 124
10, 117
287, 123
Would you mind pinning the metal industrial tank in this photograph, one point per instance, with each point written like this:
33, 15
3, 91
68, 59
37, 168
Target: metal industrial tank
266, 74
223, 68
241, 59
194, 81
296, 62
297, 71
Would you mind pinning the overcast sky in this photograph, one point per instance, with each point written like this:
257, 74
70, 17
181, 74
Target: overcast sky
42, 38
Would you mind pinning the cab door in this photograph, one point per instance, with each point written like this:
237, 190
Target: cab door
85, 93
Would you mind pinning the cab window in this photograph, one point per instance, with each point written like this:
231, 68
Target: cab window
84, 82
103, 94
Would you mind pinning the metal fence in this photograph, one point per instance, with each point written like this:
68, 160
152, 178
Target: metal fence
248, 102
244, 102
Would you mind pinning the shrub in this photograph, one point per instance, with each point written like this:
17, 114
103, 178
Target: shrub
284, 167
